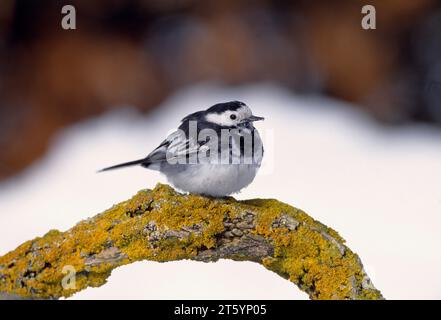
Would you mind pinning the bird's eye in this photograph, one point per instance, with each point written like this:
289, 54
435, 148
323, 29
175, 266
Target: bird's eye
233, 117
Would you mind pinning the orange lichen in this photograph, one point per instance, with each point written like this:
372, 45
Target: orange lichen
164, 225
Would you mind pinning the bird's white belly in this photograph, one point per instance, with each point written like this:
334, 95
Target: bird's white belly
214, 179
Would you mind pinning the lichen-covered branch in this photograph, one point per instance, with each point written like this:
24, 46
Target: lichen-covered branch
164, 225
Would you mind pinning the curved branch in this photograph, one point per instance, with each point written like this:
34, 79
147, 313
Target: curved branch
164, 225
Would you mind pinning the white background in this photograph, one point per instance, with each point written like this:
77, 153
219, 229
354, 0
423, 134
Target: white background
379, 187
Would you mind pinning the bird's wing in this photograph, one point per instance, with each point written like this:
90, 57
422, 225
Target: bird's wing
176, 146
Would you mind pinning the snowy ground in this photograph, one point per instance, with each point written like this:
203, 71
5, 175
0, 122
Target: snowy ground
379, 187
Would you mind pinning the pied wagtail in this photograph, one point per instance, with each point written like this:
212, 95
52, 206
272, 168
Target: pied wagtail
214, 152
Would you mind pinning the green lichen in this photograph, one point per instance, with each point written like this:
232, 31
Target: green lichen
164, 225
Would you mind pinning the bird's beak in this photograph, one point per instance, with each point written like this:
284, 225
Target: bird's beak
254, 118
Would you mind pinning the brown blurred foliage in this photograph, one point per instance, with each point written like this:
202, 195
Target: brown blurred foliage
136, 52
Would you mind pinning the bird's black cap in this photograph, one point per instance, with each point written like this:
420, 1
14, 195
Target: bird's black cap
224, 106
217, 108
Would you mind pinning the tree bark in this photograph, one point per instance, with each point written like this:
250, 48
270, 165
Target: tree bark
164, 225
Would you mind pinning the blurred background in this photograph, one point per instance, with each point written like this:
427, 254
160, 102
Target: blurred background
138, 52
353, 122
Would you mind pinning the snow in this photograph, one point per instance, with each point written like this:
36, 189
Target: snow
379, 187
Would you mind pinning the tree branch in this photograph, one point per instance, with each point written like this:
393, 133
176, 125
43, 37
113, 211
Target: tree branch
164, 225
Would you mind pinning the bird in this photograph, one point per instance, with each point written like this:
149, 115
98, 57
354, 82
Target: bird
214, 152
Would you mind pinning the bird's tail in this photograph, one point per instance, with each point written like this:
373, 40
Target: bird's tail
123, 165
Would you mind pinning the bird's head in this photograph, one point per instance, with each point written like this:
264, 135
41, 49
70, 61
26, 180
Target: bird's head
230, 114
